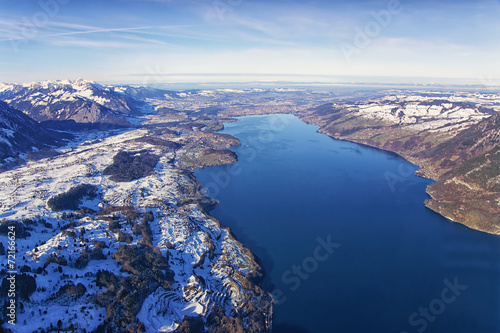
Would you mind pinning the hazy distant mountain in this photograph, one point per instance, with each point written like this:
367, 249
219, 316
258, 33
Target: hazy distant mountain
144, 93
20, 134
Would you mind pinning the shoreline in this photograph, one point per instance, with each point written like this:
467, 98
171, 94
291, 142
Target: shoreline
393, 153
420, 172
258, 277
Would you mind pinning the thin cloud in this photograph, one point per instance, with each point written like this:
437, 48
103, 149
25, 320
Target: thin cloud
117, 30
139, 30
189, 35
94, 43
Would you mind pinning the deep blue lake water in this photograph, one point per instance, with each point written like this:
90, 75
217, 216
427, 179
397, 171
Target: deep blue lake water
346, 240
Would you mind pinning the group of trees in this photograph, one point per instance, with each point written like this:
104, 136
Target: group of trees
127, 166
71, 199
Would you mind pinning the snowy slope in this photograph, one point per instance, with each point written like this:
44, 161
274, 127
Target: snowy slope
182, 233
20, 134
434, 113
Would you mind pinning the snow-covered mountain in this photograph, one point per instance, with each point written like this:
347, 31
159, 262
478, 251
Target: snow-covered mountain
20, 134
79, 100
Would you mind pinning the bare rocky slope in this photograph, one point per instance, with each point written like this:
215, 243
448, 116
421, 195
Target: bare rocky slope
468, 186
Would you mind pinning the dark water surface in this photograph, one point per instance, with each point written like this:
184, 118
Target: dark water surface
345, 237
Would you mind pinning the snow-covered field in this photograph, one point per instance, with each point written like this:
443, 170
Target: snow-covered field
427, 113
181, 230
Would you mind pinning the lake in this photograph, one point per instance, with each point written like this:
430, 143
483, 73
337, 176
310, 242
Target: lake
343, 233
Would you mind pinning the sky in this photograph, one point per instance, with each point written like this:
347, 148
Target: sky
164, 41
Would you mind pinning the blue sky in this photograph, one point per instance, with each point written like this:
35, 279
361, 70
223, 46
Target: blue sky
147, 42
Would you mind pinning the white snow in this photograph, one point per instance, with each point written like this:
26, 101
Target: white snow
419, 113
184, 232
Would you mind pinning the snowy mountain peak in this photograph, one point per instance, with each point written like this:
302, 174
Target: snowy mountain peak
6, 86
81, 83
75, 84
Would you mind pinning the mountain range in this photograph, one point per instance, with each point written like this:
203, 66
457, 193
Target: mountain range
81, 101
